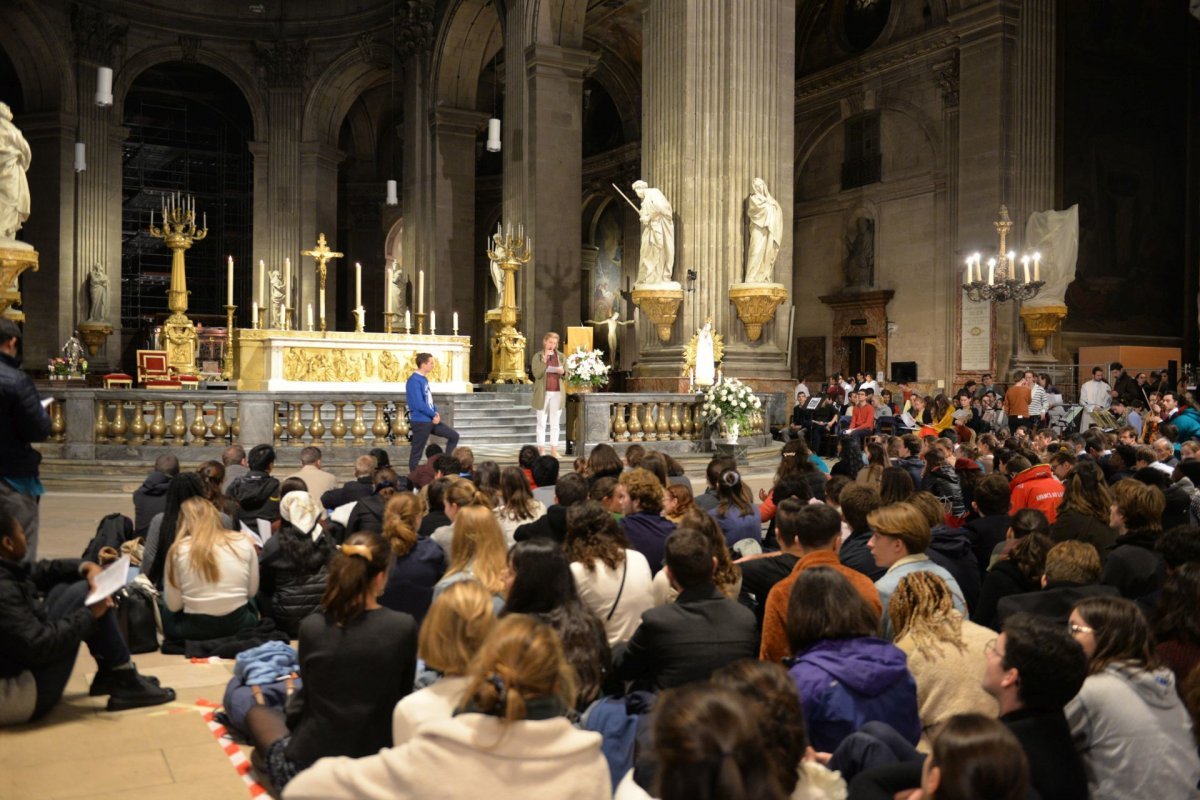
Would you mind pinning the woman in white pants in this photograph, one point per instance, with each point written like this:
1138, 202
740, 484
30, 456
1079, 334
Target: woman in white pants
549, 381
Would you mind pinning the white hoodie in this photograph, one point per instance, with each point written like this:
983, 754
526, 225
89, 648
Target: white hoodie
1135, 736
470, 756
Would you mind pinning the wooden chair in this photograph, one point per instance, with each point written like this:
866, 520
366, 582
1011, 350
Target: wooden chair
153, 372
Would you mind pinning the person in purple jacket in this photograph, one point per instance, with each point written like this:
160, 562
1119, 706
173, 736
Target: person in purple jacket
845, 674
424, 418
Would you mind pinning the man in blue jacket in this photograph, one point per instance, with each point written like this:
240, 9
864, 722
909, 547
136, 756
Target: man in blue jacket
424, 418
23, 420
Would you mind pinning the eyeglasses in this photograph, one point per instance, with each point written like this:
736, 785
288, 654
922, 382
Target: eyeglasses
1076, 629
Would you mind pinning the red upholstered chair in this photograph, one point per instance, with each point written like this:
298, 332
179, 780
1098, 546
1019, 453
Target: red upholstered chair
118, 380
153, 372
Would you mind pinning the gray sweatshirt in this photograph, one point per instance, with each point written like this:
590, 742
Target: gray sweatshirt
1135, 736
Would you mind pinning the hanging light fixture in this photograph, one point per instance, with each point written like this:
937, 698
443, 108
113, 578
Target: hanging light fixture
80, 157
493, 137
392, 195
392, 198
104, 77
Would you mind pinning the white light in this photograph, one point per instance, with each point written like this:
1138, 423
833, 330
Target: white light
392, 198
80, 157
493, 140
104, 77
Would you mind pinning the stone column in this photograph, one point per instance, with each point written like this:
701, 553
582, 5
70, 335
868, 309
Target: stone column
417, 189
319, 214
718, 108
454, 134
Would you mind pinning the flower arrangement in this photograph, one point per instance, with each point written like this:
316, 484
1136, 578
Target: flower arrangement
59, 367
586, 368
730, 401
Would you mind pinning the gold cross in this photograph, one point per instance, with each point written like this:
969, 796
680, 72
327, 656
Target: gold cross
322, 254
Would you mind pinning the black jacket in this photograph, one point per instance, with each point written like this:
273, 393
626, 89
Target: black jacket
351, 491
432, 521
1055, 766
292, 573
855, 554
1133, 566
687, 640
985, 533
914, 466
951, 548
1002, 581
22, 421
1054, 602
367, 515
149, 500
551, 525
257, 494
1072, 525
28, 639
943, 483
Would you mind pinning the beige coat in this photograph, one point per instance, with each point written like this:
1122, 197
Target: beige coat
470, 756
538, 367
317, 481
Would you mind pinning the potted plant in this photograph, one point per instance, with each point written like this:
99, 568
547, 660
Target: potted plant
59, 369
729, 404
586, 370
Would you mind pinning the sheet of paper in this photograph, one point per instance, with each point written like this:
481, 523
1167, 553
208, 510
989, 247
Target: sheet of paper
46, 402
908, 420
109, 581
260, 533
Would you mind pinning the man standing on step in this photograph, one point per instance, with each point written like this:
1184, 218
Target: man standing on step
23, 420
549, 369
424, 418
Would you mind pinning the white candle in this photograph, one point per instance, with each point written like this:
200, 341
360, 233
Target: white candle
322, 303
151, 217
1037, 260
407, 320
455, 323
254, 314
991, 271
310, 317
1025, 265
357, 284
387, 292
420, 291
229, 282
287, 282
206, 226
433, 322
283, 320
264, 295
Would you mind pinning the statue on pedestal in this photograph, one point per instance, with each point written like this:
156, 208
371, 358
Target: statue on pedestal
860, 258
14, 186
658, 235
73, 352
97, 293
702, 355
498, 273
277, 299
766, 233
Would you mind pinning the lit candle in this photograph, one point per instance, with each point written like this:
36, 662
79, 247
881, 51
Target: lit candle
407, 320
151, 217
421, 291
229, 282
387, 292
1037, 260
254, 314
322, 303
991, 271
1025, 264
357, 284
432, 322
979, 267
206, 223
455, 319
283, 320
310, 317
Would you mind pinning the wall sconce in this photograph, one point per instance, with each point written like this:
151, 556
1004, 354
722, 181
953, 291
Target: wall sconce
691, 279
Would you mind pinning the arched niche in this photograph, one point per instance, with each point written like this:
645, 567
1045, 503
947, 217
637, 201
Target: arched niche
42, 63
469, 38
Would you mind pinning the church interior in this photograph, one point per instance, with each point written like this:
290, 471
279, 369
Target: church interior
250, 222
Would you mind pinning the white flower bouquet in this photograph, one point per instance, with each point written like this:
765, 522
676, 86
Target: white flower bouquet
730, 401
586, 368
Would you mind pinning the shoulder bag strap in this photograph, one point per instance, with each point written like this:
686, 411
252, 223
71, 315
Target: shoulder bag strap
620, 589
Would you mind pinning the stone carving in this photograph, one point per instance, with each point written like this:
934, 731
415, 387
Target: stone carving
766, 233
14, 187
189, 47
95, 38
277, 299
947, 78
414, 30
860, 259
97, 293
319, 365
612, 324
284, 63
658, 236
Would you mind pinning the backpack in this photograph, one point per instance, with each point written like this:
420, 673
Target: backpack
113, 531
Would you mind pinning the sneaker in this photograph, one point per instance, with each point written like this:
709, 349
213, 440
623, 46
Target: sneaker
135, 691
107, 679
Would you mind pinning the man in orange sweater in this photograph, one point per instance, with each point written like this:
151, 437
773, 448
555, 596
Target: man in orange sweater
813, 532
862, 419
1033, 487
1017, 399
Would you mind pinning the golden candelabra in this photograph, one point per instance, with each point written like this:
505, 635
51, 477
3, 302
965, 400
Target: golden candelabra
389, 321
179, 231
509, 251
227, 361
323, 256
421, 322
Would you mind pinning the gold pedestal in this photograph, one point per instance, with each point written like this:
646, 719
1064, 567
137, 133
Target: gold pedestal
228, 362
661, 306
93, 335
756, 304
1042, 322
14, 261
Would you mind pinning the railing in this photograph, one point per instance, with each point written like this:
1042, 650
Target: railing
649, 417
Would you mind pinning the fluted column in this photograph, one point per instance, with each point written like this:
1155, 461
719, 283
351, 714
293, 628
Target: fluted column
718, 107
455, 248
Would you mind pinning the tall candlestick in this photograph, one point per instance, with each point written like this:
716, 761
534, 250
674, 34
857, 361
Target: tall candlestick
1037, 260
421, 291
455, 320
310, 317
264, 295
357, 284
205, 220
991, 271
1025, 264
322, 307
287, 282
387, 292
432, 322
254, 314
229, 282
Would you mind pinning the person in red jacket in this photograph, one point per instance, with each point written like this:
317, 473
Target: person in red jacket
862, 419
1033, 487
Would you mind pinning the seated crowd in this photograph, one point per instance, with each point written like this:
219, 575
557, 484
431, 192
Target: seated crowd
955, 610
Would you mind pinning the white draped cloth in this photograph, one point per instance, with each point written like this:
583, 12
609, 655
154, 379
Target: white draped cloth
658, 236
706, 362
766, 233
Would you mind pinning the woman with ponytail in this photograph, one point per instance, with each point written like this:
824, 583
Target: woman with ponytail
367, 514
736, 513
418, 562
357, 660
457, 495
510, 739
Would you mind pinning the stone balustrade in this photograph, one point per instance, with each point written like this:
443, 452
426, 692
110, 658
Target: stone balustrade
663, 420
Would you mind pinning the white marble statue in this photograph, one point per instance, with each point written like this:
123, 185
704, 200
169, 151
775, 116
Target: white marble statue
277, 312
612, 325
766, 233
97, 293
14, 187
658, 236
706, 362
1054, 234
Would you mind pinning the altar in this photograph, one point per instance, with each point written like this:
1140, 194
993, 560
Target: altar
275, 360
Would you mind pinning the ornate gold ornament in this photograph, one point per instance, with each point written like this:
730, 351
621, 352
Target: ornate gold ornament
323, 365
1041, 323
661, 306
323, 255
756, 305
508, 344
179, 231
93, 335
14, 261
689, 350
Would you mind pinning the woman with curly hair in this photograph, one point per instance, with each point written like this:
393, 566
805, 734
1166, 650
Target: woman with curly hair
612, 579
1084, 509
677, 501
946, 653
727, 576
643, 524
418, 561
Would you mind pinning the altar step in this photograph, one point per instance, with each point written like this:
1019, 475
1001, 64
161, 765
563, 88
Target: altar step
493, 422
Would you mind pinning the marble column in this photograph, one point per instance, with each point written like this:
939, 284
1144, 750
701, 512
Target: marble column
718, 108
454, 247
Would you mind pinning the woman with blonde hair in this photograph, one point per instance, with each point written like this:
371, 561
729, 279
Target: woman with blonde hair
510, 738
453, 631
418, 562
211, 576
946, 653
458, 494
479, 552
517, 504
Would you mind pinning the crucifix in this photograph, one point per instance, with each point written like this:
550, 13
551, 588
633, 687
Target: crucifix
323, 255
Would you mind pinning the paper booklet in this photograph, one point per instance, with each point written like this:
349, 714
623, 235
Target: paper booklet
110, 581
259, 535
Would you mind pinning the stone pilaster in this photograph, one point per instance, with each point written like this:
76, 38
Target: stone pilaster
416, 250
718, 107
318, 214
454, 134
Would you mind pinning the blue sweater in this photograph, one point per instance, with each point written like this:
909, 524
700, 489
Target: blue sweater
419, 398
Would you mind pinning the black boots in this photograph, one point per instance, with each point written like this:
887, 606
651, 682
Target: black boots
127, 689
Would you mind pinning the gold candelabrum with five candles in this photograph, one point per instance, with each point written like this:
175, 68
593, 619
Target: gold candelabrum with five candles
179, 231
509, 251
